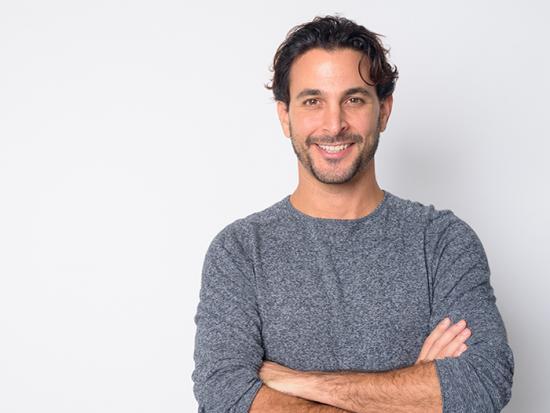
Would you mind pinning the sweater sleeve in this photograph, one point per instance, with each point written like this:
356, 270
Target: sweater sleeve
480, 380
228, 347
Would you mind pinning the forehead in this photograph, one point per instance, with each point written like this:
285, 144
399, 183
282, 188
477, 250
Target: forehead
321, 69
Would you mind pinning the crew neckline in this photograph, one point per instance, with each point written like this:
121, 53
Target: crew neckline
340, 221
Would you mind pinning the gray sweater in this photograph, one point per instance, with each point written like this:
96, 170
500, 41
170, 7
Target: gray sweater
335, 294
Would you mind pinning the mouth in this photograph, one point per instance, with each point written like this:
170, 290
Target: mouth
335, 151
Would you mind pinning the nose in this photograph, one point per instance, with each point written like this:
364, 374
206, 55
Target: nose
334, 121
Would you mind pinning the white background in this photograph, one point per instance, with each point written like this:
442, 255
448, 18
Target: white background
131, 132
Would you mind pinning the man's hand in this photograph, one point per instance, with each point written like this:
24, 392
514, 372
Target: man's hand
445, 340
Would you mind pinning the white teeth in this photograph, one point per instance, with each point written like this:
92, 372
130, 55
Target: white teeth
334, 149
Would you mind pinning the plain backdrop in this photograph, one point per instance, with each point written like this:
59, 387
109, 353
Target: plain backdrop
132, 132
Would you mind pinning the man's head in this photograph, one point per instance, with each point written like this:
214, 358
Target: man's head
333, 85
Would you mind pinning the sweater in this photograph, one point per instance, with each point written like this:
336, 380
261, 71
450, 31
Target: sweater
347, 294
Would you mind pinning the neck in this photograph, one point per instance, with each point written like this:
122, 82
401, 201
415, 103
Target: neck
351, 200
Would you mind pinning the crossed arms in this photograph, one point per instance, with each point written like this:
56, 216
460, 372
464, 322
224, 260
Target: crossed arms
231, 374
411, 389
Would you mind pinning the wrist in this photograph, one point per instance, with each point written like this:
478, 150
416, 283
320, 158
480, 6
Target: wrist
316, 386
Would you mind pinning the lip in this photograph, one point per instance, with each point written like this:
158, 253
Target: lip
337, 155
334, 144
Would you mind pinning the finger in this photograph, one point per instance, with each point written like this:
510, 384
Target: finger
436, 333
451, 334
450, 349
446, 338
461, 350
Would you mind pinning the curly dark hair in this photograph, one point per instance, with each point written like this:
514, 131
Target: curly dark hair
330, 33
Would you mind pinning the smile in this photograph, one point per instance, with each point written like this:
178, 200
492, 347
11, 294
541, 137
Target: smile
334, 151
334, 148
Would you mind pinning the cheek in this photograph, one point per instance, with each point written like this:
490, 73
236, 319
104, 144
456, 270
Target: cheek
364, 123
305, 125
311, 123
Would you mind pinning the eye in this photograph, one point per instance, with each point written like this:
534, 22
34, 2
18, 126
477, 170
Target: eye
356, 100
311, 101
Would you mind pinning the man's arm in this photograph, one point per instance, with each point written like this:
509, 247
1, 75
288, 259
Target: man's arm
228, 342
411, 389
269, 400
481, 379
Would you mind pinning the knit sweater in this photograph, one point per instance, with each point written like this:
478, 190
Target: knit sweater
347, 294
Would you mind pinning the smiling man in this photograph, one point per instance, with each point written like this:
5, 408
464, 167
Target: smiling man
343, 296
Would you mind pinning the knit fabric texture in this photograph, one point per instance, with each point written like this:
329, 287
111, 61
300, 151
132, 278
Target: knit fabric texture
347, 294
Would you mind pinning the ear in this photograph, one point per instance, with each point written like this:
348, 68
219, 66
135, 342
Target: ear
282, 111
385, 111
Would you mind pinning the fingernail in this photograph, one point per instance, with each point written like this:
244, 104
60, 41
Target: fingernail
446, 321
462, 323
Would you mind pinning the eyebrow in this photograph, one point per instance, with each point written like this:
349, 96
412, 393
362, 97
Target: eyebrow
360, 90
308, 92
317, 92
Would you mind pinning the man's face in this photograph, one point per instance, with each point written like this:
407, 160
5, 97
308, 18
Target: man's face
331, 105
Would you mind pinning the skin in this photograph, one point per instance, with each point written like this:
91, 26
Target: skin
330, 103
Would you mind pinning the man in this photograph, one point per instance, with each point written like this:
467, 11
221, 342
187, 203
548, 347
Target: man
343, 296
